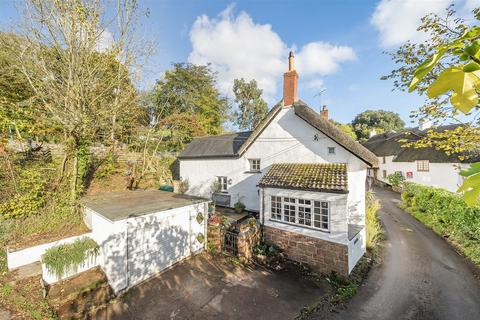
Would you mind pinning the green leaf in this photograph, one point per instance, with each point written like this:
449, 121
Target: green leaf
471, 185
464, 85
425, 68
472, 66
473, 49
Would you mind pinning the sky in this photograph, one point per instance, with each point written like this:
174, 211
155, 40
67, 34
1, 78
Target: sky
339, 45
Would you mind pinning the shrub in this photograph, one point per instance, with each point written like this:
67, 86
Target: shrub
396, 179
70, 256
372, 224
447, 214
31, 194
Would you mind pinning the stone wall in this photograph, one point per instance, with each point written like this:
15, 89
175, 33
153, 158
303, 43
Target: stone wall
248, 238
323, 256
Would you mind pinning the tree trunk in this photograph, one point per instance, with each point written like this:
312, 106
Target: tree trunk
73, 190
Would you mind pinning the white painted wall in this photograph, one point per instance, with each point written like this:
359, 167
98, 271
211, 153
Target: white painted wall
137, 248
440, 175
288, 139
33, 254
338, 218
356, 249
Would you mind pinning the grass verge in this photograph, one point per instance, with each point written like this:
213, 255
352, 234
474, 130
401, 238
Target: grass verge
446, 214
345, 288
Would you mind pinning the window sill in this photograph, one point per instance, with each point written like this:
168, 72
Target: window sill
253, 171
299, 225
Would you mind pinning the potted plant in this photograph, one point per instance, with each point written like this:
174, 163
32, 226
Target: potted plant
239, 207
252, 221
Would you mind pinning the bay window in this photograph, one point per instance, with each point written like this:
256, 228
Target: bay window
304, 212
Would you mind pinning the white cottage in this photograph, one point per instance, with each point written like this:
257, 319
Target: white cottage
295, 136
427, 166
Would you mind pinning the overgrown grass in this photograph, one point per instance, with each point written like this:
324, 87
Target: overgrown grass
372, 224
447, 214
56, 220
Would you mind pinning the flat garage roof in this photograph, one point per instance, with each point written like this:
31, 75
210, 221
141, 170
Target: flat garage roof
117, 206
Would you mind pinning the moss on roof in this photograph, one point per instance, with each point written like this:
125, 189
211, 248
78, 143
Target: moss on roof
329, 177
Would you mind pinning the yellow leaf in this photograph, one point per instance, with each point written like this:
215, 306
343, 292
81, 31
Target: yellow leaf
463, 84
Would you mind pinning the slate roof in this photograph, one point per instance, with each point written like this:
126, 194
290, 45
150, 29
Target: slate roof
390, 144
234, 145
327, 177
225, 145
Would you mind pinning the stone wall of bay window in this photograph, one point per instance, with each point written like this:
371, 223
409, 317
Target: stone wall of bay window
323, 256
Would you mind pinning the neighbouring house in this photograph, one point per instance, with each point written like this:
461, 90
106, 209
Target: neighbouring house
139, 233
427, 166
318, 167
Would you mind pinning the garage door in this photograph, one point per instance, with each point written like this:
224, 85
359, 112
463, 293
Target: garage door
157, 241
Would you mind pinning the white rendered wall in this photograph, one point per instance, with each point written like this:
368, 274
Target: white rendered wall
33, 254
287, 139
440, 175
137, 248
356, 249
338, 214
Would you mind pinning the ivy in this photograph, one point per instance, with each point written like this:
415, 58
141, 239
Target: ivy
70, 256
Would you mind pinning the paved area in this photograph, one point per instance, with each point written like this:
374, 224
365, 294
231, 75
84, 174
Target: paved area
205, 288
421, 276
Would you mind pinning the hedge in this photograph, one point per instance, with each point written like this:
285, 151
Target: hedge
447, 214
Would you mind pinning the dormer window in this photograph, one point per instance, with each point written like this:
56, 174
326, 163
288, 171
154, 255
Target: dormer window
331, 150
254, 165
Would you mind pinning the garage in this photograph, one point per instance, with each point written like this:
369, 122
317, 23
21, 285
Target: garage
141, 233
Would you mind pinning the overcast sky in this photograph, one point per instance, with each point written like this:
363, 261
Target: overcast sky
338, 45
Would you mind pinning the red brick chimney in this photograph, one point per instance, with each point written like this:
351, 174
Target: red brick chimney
290, 83
324, 112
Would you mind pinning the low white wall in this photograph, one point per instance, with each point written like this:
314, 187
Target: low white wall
89, 263
356, 249
30, 255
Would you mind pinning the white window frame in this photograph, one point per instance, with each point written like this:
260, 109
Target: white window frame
223, 182
281, 211
254, 165
331, 149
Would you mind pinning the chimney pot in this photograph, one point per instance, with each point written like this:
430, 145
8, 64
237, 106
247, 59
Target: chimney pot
290, 82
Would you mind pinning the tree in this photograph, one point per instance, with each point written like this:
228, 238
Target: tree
183, 128
378, 120
346, 128
448, 73
251, 107
190, 89
82, 88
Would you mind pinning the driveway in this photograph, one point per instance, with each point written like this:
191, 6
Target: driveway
421, 276
215, 288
